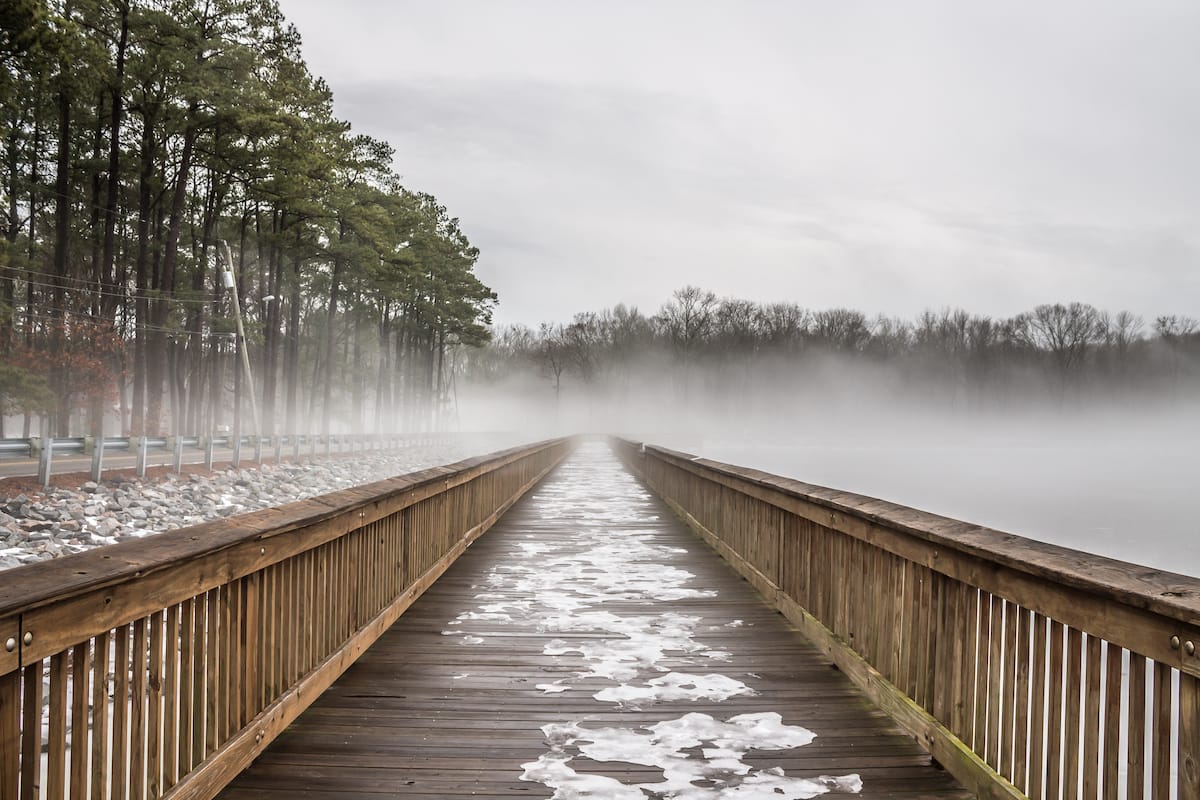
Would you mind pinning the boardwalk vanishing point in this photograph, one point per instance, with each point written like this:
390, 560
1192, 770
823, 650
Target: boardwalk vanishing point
591, 645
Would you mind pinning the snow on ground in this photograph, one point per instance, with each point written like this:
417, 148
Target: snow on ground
36, 527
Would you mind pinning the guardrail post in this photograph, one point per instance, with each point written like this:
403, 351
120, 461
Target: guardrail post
328, 443
176, 445
295, 447
277, 440
312, 444
140, 442
257, 449
44, 447
97, 459
207, 443
237, 450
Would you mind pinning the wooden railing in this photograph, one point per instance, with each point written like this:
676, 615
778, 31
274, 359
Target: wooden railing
162, 667
1024, 668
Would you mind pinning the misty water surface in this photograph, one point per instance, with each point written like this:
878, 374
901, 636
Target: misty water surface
1121, 489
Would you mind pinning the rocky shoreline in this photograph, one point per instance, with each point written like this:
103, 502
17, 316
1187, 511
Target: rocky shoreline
36, 527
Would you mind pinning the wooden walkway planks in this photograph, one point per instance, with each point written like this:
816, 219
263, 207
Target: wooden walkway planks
585, 600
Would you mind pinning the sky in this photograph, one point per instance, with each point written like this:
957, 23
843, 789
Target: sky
889, 157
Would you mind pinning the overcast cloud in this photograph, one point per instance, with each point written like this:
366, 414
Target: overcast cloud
884, 156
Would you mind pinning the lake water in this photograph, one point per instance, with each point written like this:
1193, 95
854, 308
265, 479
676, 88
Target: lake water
1130, 495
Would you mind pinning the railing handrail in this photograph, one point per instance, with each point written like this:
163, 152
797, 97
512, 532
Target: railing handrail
1170, 594
32, 586
201, 645
1021, 666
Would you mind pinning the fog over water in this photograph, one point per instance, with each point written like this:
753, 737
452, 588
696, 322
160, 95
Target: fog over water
1117, 479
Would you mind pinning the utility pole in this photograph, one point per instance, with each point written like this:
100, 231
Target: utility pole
230, 283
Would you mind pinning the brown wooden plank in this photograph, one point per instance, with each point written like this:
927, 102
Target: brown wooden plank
1189, 738
137, 712
1135, 774
100, 664
56, 739
1020, 776
31, 735
995, 680
1160, 785
10, 735
980, 671
1091, 719
80, 740
1008, 696
1111, 756
119, 769
154, 706
1055, 714
171, 699
186, 705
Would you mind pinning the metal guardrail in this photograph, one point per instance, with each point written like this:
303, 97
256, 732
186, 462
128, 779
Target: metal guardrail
45, 450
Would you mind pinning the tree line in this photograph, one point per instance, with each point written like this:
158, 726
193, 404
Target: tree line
697, 342
148, 148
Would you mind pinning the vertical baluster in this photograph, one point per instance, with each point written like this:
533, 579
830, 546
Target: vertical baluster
137, 713
1054, 738
199, 708
171, 694
119, 771
185, 706
1135, 753
1074, 684
983, 647
214, 632
31, 732
1091, 720
1037, 716
249, 637
10, 734
80, 669
964, 671
224, 667
56, 761
1009, 693
995, 678
1021, 715
1161, 745
100, 661
1189, 737
1111, 757
154, 696
79, 738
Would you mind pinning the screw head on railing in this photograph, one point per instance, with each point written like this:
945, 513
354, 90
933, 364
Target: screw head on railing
27, 638
1174, 642
1189, 648
10, 644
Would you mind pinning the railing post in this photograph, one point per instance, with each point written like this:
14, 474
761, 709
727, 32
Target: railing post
277, 440
207, 443
140, 444
176, 444
97, 458
237, 450
44, 447
295, 447
257, 449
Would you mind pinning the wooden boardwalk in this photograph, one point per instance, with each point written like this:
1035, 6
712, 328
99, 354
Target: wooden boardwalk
590, 644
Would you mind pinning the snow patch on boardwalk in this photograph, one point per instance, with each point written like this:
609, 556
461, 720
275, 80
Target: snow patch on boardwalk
566, 589
665, 745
